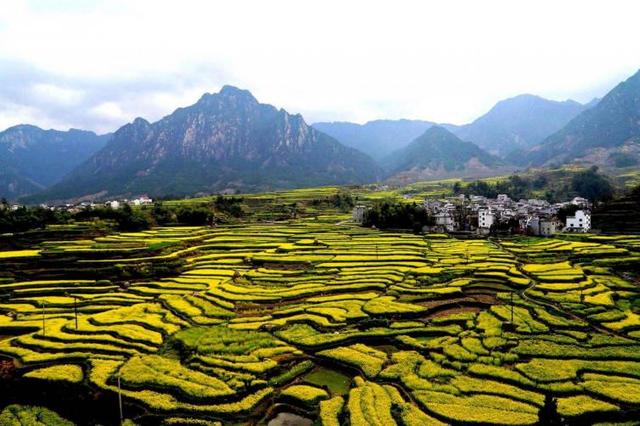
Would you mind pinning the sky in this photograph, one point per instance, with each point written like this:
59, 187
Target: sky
97, 65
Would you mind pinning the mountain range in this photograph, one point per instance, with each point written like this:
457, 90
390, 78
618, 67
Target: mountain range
32, 159
230, 141
377, 138
515, 123
440, 153
519, 122
607, 134
225, 141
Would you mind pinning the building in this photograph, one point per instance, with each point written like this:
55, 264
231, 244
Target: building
486, 218
445, 220
113, 204
580, 202
548, 227
481, 214
580, 221
141, 201
358, 213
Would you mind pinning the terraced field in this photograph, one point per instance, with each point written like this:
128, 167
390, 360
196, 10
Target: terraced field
311, 320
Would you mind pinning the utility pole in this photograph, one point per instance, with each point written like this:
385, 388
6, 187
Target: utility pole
75, 309
512, 307
43, 320
120, 400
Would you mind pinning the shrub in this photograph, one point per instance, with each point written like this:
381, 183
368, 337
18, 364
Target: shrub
20, 415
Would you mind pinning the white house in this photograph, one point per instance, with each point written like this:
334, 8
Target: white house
579, 201
358, 213
485, 218
113, 204
445, 220
580, 222
144, 200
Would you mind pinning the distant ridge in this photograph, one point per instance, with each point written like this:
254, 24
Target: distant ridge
32, 158
440, 153
607, 134
512, 124
518, 123
377, 138
225, 141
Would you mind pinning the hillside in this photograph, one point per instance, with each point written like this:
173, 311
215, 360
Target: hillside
226, 141
607, 134
516, 123
439, 153
377, 138
32, 158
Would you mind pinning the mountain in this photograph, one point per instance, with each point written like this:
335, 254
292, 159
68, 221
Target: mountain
224, 141
607, 134
517, 123
377, 138
439, 153
32, 158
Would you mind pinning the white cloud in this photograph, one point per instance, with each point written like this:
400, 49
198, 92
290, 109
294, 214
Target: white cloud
108, 110
56, 94
442, 61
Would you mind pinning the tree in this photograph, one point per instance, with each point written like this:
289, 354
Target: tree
482, 188
389, 214
539, 182
548, 413
195, 216
162, 214
130, 220
592, 185
342, 200
229, 205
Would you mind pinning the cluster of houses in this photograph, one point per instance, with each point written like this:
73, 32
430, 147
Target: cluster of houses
483, 215
74, 208
140, 201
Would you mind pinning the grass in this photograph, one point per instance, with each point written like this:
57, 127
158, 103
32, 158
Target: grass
336, 382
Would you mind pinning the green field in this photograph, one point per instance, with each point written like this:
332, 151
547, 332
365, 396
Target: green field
318, 318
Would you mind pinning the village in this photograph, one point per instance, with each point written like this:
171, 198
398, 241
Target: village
460, 214
481, 215
77, 207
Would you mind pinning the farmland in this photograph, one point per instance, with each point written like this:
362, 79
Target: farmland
315, 318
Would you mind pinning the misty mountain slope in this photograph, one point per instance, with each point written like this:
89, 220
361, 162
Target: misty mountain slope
440, 153
517, 123
377, 138
32, 158
224, 141
605, 134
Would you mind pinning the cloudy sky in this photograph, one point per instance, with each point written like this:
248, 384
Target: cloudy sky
99, 64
